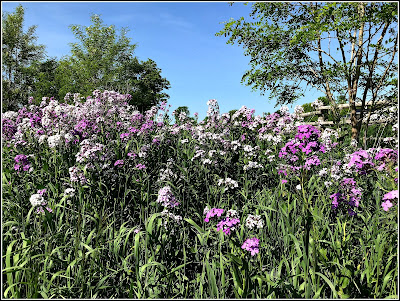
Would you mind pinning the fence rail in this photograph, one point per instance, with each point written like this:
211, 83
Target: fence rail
324, 109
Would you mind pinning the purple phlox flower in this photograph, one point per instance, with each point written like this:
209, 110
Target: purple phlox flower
386, 154
307, 132
140, 166
21, 161
212, 212
42, 192
124, 135
119, 163
251, 245
282, 171
335, 197
284, 181
227, 224
133, 130
312, 161
361, 160
348, 197
132, 155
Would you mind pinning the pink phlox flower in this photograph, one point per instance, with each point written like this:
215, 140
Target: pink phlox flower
119, 163
42, 192
386, 205
132, 155
226, 225
140, 166
251, 245
394, 194
212, 212
124, 135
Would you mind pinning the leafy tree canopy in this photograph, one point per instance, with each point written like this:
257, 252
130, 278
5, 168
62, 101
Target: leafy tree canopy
104, 60
19, 51
336, 47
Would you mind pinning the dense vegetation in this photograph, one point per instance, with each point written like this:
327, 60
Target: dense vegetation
101, 201
105, 196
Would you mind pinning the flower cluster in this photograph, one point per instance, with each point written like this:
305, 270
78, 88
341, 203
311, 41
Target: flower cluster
227, 225
252, 165
21, 163
348, 197
213, 110
166, 197
305, 148
211, 213
253, 221
361, 162
317, 103
55, 141
251, 245
386, 156
69, 192
169, 215
388, 198
228, 182
77, 175
37, 200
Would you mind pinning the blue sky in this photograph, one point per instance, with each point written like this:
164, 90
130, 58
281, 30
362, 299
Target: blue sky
178, 36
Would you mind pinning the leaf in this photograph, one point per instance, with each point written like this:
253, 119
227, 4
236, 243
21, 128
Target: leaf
198, 228
335, 294
235, 259
154, 263
149, 225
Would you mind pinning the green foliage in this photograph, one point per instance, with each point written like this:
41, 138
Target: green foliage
45, 79
333, 47
102, 59
19, 51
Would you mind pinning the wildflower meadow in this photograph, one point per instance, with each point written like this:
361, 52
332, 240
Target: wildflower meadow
102, 201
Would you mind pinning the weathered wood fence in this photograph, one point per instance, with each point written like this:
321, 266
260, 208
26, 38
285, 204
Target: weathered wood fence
344, 120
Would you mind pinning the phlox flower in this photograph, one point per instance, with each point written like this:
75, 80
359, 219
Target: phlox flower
386, 205
212, 212
36, 199
119, 163
251, 245
227, 224
388, 198
253, 221
394, 194
166, 197
348, 197
140, 166
124, 135
69, 192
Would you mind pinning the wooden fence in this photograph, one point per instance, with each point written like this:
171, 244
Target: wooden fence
344, 120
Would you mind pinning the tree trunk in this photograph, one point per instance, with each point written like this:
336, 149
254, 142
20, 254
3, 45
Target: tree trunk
356, 123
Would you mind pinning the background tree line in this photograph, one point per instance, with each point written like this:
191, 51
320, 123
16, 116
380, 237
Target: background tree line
101, 58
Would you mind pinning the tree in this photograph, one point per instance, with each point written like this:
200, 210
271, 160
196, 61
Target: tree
104, 60
336, 48
19, 52
143, 80
45, 79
